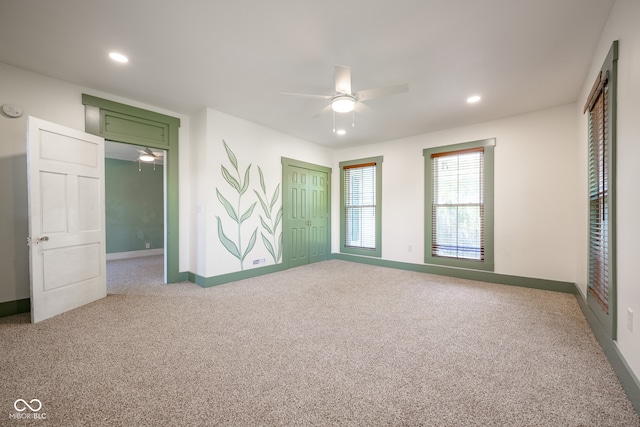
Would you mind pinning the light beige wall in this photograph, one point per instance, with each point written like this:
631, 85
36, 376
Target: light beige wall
623, 26
535, 189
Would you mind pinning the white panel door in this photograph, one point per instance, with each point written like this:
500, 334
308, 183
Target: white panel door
66, 218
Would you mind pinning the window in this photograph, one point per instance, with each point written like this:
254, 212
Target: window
361, 202
459, 205
600, 107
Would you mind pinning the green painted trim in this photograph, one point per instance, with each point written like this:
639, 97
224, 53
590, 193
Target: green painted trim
300, 164
630, 382
286, 201
207, 282
9, 308
609, 320
488, 263
343, 248
461, 273
105, 104
97, 111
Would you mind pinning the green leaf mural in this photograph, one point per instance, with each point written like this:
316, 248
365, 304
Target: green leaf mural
272, 243
240, 185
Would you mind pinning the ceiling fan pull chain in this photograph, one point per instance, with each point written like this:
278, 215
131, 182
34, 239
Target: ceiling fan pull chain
353, 118
334, 122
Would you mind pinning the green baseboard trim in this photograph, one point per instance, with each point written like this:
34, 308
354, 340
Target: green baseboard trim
207, 282
628, 379
10, 308
462, 273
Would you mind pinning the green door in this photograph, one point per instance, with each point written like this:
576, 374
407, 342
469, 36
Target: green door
306, 214
318, 216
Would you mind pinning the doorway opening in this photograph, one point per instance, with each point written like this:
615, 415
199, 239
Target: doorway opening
135, 215
126, 124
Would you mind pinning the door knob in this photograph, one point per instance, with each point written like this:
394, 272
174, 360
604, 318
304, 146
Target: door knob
43, 239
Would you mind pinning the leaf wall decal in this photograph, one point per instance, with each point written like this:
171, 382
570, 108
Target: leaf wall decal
265, 209
266, 226
252, 242
226, 242
230, 179
246, 181
248, 213
232, 157
230, 210
264, 190
275, 248
240, 185
268, 245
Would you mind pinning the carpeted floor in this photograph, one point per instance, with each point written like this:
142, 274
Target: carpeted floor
331, 343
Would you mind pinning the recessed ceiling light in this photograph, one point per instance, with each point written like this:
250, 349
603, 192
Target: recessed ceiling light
118, 57
341, 131
473, 99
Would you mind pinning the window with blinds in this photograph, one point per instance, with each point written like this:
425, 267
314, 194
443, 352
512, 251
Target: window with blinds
600, 110
360, 215
458, 204
599, 197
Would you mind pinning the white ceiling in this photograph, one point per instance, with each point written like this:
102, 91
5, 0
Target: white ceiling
238, 56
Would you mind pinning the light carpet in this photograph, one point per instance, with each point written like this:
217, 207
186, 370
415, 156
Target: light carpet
331, 343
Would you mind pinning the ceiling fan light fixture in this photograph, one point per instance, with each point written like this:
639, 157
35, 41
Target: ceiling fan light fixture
118, 57
343, 103
146, 158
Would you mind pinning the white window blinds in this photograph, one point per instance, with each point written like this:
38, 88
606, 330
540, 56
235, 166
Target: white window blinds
458, 204
360, 206
598, 108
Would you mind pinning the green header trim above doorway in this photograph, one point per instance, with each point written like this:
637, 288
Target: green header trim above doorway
131, 125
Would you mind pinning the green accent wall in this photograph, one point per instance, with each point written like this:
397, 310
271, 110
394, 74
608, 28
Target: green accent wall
134, 206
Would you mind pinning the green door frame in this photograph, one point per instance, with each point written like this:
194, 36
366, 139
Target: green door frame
286, 203
130, 125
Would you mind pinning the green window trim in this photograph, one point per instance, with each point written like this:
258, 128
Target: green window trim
607, 317
488, 178
377, 252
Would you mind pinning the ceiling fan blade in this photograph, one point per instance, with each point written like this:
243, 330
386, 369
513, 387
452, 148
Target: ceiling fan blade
149, 152
307, 95
363, 109
367, 94
343, 79
324, 110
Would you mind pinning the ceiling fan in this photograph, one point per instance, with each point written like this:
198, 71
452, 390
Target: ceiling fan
146, 155
346, 101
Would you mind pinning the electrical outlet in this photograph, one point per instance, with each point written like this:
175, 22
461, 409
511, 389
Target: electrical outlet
629, 320
259, 261
147, 245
